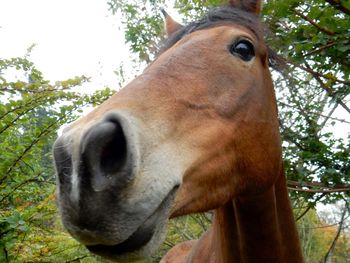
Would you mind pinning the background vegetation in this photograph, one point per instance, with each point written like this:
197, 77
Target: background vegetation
313, 90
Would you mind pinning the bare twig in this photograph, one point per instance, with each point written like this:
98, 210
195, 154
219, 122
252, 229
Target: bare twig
320, 188
331, 248
309, 207
326, 88
317, 74
328, 117
308, 184
335, 190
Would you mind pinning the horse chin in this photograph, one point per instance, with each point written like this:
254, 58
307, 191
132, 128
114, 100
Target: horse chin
144, 241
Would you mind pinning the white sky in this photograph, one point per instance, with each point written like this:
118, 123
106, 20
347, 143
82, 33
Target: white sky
72, 37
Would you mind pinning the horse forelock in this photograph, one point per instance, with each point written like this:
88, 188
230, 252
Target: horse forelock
225, 15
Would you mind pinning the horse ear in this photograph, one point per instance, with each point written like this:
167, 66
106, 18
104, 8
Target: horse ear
170, 24
252, 6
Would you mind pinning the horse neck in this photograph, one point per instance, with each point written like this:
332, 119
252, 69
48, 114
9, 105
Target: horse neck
257, 228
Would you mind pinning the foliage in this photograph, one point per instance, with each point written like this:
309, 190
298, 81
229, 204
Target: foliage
317, 235
31, 112
184, 228
313, 92
142, 27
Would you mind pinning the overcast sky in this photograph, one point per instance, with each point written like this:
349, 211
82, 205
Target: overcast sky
72, 38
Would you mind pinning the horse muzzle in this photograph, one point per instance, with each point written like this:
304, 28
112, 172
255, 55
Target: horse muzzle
106, 201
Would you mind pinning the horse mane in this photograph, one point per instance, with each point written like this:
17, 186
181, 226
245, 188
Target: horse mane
224, 15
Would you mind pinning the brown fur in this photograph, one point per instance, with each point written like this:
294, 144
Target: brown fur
217, 116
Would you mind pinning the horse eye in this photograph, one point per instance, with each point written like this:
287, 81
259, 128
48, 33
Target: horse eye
244, 49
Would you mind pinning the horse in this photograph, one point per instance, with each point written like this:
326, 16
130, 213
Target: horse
198, 130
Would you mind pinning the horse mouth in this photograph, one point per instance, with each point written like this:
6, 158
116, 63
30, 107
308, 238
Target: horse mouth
141, 237
137, 240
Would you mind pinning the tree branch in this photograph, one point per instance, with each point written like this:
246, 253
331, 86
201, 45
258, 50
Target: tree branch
328, 117
335, 190
312, 184
317, 74
309, 207
17, 118
331, 248
327, 89
6, 254
299, 186
319, 49
324, 30
338, 5
19, 186
26, 104
43, 133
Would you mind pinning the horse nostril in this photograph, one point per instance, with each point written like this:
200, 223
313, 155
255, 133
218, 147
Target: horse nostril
113, 151
105, 155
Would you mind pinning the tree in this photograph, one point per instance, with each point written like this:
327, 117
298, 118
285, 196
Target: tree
31, 112
313, 37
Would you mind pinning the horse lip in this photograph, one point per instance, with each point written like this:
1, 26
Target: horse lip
140, 237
